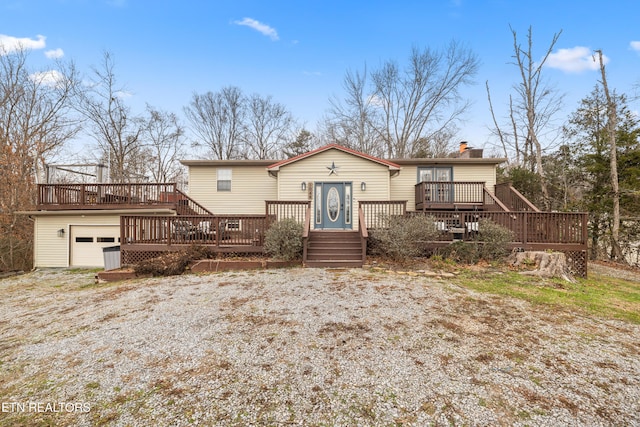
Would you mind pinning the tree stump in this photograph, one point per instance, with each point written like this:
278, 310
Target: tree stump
546, 264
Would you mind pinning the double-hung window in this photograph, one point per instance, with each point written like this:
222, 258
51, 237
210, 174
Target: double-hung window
224, 180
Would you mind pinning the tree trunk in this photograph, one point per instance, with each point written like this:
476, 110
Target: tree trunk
616, 251
547, 264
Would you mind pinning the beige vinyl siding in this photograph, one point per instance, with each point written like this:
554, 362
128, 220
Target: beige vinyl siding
350, 168
481, 173
53, 251
250, 187
403, 185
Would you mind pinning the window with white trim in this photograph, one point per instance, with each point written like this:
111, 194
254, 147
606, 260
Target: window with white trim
223, 180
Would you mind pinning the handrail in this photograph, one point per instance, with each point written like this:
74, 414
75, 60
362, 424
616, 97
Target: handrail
305, 233
200, 210
364, 233
362, 225
513, 198
496, 201
523, 199
307, 223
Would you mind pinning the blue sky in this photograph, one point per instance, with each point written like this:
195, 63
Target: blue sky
298, 51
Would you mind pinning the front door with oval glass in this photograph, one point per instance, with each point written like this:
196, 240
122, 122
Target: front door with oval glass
333, 205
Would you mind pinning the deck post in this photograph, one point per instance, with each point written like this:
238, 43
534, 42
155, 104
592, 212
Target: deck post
217, 231
168, 231
525, 221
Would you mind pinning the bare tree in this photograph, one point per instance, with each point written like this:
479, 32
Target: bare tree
422, 100
163, 136
217, 119
267, 129
115, 130
497, 131
35, 123
533, 110
611, 128
352, 122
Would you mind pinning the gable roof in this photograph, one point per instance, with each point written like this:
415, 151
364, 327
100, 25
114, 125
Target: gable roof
276, 166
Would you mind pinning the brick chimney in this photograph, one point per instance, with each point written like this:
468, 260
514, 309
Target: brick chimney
467, 152
463, 146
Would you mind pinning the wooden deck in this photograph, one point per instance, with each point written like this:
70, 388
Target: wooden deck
532, 230
456, 208
145, 236
468, 195
56, 197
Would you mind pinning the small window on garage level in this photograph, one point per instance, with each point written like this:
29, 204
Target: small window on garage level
105, 239
224, 179
84, 239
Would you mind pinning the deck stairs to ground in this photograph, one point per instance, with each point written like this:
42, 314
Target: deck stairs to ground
334, 249
187, 206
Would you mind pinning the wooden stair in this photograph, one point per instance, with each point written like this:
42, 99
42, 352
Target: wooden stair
334, 249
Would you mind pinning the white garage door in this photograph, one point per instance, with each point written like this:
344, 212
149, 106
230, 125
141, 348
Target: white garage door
87, 242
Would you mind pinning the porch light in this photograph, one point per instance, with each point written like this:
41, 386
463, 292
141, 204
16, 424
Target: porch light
363, 186
61, 232
303, 186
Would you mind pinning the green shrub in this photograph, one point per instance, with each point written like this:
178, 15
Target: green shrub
495, 240
283, 240
403, 236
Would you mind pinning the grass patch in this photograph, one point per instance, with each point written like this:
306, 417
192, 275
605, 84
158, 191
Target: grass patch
599, 295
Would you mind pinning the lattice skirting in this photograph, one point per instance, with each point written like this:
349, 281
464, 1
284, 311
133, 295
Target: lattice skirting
577, 262
134, 257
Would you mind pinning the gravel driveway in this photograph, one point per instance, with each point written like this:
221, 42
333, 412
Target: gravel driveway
304, 347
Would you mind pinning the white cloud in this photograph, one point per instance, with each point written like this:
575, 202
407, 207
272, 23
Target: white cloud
260, 27
54, 53
10, 44
635, 45
574, 60
123, 94
48, 78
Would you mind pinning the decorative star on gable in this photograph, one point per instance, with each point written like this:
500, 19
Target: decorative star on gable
333, 169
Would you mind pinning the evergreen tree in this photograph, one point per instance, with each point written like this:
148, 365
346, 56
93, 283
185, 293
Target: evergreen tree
587, 131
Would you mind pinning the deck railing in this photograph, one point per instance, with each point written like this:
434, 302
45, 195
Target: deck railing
430, 193
513, 199
187, 206
306, 228
535, 230
362, 230
375, 212
278, 210
105, 196
218, 230
492, 203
